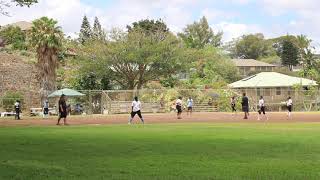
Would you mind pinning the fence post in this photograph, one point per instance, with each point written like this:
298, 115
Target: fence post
90, 103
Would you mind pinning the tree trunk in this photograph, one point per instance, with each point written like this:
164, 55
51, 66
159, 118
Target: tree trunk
47, 65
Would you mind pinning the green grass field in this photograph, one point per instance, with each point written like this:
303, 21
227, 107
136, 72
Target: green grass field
163, 151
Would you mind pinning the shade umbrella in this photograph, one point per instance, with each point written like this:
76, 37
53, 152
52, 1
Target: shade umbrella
66, 91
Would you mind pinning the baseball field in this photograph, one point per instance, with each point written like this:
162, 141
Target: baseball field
187, 149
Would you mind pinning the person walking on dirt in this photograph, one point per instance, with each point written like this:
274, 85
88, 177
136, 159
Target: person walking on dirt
233, 105
262, 109
289, 104
245, 105
190, 106
17, 107
63, 110
179, 107
136, 109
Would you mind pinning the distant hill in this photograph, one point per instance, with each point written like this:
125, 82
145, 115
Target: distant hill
18, 75
23, 25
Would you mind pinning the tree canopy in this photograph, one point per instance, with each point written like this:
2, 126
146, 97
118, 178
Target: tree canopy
14, 36
85, 31
289, 53
252, 46
200, 34
134, 58
149, 27
97, 31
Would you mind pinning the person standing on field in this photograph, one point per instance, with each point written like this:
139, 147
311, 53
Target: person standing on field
289, 107
245, 105
136, 109
190, 106
17, 108
46, 109
233, 105
63, 110
262, 109
179, 107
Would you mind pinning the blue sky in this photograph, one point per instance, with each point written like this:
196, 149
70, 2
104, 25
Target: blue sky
233, 17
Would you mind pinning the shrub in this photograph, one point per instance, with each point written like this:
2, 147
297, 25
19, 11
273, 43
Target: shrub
10, 98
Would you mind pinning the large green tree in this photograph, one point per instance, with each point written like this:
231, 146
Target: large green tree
7, 3
200, 34
306, 55
134, 59
212, 65
252, 46
85, 31
289, 53
46, 38
97, 31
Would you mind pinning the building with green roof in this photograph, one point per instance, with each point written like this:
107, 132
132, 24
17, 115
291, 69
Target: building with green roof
275, 87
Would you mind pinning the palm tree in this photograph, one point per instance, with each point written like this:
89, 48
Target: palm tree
46, 37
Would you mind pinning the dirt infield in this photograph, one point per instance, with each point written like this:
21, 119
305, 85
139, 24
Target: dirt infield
163, 118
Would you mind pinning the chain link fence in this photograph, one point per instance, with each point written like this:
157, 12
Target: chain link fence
163, 100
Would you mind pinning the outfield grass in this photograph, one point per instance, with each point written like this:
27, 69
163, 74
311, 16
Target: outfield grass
165, 151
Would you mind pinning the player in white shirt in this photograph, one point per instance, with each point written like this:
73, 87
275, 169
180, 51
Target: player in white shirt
189, 106
136, 109
179, 107
45, 109
289, 107
17, 107
262, 109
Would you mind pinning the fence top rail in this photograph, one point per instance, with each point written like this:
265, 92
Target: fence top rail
137, 90
106, 91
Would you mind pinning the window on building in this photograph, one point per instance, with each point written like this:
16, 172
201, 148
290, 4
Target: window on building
258, 92
242, 71
289, 91
278, 91
267, 92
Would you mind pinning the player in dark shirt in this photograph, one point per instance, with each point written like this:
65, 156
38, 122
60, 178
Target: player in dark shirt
62, 110
245, 105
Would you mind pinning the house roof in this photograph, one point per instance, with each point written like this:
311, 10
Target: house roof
271, 79
250, 63
23, 25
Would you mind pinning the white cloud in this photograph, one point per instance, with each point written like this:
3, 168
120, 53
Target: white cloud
279, 7
178, 13
216, 14
68, 13
235, 30
306, 14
